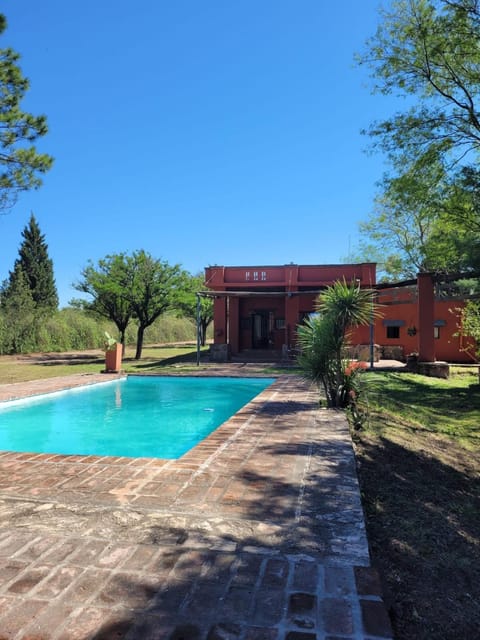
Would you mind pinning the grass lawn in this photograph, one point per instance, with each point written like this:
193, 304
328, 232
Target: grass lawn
160, 359
155, 359
419, 471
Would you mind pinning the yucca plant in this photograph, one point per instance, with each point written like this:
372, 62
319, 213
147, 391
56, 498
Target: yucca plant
323, 338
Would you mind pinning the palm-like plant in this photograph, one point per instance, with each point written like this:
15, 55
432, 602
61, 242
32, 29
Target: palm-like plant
323, 338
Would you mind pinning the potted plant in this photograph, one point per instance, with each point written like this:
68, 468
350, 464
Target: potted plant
412, 361
113, 354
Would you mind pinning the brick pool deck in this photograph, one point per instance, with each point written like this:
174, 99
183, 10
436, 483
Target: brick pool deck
255, 534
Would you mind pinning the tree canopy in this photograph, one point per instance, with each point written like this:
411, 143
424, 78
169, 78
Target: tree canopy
428, 50
105, 284
21, 165
136, 286
151, 289
427, 215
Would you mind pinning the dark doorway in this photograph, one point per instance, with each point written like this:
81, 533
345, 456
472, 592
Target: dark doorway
260, 329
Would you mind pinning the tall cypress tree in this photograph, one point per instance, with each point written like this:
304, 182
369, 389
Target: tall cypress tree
37, 267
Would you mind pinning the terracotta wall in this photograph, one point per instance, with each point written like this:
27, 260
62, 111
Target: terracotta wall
398, 307
290, 276
447, 346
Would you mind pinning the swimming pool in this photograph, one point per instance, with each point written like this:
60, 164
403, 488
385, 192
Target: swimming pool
158, 417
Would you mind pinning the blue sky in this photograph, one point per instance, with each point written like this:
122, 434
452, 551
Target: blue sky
213, 132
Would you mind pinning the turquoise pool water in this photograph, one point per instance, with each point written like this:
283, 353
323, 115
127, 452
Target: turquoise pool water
135, 417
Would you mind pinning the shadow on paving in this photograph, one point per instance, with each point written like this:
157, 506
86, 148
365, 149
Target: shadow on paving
249, 585
423, 524
214, 595
284, 408
238, 595
423, 521
277, 553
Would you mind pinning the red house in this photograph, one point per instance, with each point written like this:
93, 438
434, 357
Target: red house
260, 307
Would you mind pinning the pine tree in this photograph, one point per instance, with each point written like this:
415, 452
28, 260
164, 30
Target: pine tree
21, 165
37, 267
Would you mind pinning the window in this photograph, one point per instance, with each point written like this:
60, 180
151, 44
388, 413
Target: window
436, 328
393, 332
393, 328
279, 323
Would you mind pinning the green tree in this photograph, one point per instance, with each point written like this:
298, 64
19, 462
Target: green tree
407, 231
324, 337
136, 286
469, 327
424, 220
37, 266
152, 288
461, 217
19, 316
187, 303
427, 51
20, 163
29, 294
106, 283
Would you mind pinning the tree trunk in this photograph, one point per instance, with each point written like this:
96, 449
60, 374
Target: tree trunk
122, 341
140, 332
203, 332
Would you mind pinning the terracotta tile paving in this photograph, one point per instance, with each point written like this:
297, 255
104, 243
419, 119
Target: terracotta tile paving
255, 534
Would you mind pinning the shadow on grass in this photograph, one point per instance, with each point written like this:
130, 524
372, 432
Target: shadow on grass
452, 409
191, 346
423, 522
411, 388
71, 360
185, 358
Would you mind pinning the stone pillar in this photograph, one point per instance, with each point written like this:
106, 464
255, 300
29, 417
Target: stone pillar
426, 307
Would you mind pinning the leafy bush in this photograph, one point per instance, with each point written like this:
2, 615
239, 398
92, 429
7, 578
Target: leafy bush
73, 329
169, 328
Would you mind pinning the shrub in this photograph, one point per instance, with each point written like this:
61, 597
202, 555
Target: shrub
323, 341
74, 329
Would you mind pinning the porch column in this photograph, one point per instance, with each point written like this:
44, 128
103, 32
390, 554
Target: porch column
233, 324
426, 306
220, 320
291, 319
